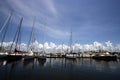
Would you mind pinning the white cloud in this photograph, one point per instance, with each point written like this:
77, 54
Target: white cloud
56, 33
108, 43
44, 11
40, 46
50, 5
46, 45
51, 47
51, 31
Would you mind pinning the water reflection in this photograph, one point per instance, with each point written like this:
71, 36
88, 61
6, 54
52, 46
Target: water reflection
59, 69
87, 63
41, 62
105, 65
29, 64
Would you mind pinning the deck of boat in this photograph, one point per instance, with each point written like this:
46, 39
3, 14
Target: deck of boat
107, 58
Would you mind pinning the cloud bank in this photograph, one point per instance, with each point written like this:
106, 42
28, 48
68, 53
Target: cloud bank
54, 48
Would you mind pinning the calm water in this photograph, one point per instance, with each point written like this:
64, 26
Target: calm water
60, 69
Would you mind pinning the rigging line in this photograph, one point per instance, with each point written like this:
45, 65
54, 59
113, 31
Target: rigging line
44, 39
2, 20
5, 22
18, 37
3, 37
70, 48
15, 36
31, 35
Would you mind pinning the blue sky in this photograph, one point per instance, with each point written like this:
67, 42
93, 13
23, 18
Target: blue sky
90, 20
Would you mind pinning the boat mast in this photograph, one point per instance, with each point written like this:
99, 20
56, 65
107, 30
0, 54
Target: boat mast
31, 36
43, 45
44, 39
71, 48
17, 35
6, 27
6, 22
62, 49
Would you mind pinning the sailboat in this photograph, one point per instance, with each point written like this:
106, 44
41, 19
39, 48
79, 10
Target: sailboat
42, 55
106, 56
4, 28
70, 54
63, 53
30, 55
3, 55
15, 54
